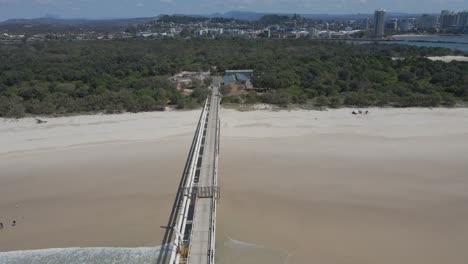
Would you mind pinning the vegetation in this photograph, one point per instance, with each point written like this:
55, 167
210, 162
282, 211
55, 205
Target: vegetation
64, 77
49, 25
71, 77
181, 19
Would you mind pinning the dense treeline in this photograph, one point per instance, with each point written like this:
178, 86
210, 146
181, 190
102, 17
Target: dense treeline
182, 19
65, 77
70, 77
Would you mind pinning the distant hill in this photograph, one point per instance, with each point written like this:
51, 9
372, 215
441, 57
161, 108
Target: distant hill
245, 15
50, 21
57, 24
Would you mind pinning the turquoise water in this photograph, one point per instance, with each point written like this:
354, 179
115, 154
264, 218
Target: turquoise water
460, 39
442, 41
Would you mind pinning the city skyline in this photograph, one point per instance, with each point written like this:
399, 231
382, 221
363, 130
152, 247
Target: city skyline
143, 8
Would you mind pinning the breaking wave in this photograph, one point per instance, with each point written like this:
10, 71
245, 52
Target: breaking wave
101, 255
235, 251
239, 244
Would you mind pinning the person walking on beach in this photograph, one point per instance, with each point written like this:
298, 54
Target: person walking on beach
14, 223
1, 225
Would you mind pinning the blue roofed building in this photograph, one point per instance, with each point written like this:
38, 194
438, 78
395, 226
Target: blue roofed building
229, 78
238, 76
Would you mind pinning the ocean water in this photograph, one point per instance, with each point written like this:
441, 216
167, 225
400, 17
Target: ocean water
102, 255
231, 251
228, 251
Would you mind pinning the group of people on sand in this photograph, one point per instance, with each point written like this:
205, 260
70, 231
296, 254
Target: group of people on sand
2, 226
360, 112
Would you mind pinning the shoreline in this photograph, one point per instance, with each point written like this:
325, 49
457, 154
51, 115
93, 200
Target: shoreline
433, 35
234, 106
356, 184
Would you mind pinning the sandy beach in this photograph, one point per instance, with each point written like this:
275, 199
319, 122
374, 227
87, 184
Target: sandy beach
448, 58
328, 187
91, 181
296, 186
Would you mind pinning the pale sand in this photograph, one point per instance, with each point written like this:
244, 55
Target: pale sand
91, 180
389, 187
410, 35
448, 58
300, 186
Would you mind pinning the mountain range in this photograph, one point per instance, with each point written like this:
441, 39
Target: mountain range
242, 15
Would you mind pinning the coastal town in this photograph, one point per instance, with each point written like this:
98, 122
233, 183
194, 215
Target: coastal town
233, 131
380, 25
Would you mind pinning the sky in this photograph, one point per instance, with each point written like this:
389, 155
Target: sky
141, 8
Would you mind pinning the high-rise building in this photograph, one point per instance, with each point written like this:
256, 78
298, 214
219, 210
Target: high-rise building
443, 18
379, 23
448, 19
453, 20
463, 19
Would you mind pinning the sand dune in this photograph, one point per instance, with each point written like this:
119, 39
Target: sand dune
296, 186
449, 58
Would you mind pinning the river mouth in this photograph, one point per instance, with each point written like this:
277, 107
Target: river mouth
431, 41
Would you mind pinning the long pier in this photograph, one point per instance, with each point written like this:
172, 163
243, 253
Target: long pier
191, 231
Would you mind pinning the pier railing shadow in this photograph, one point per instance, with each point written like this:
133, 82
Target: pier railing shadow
166, 244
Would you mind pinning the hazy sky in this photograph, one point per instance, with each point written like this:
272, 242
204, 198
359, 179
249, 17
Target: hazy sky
136, 8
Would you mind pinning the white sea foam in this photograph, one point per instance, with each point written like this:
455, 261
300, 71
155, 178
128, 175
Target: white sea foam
240, 252
239, 244
102, 255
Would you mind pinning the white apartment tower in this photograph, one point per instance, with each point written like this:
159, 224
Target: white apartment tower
379, 23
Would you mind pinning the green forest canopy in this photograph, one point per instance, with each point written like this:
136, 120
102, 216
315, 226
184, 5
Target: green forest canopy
132, 75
